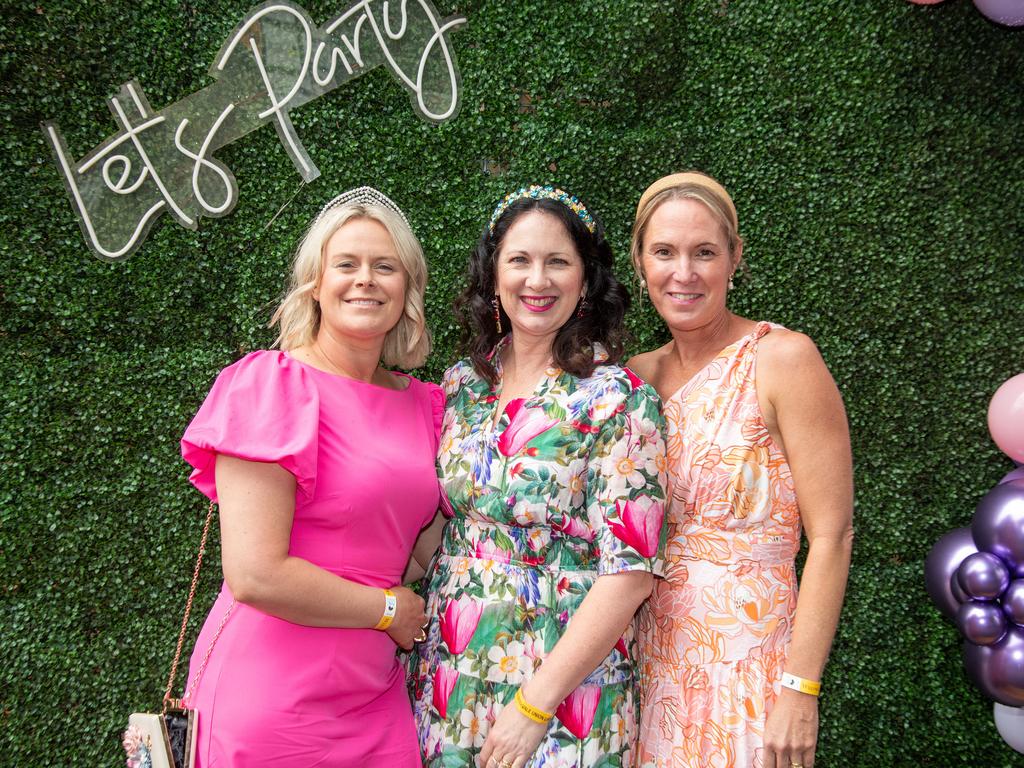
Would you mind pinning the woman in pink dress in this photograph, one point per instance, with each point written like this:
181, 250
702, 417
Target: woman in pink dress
322, 462
758, 448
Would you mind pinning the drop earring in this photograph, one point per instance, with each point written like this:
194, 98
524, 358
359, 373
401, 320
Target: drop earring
731, 283
497, 313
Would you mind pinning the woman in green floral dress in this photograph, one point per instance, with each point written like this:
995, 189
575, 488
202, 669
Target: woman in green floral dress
552, 460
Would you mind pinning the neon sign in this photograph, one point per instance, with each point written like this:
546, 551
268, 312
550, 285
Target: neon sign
276, 60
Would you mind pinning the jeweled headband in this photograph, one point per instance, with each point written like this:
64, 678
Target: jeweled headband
361, 196
537, 192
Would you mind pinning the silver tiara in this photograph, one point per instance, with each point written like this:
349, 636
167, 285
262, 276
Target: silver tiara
361, 196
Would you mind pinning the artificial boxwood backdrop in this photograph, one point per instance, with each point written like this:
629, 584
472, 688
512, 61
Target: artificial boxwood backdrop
876, 155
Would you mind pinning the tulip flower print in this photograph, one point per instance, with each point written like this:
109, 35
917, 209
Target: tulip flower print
577, 711
444, 682
638, 527
525, 425
458, 623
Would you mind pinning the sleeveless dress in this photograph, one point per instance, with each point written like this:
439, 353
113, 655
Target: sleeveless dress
568, 486
714, 635
275, 693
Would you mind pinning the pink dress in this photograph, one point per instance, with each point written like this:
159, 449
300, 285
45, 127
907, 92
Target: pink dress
714, 635
276, 693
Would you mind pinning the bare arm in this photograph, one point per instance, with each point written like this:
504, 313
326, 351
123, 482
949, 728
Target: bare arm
596, 626
426, 545
805, 412
257, 505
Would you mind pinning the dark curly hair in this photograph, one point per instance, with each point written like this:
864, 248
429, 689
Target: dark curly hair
573, 347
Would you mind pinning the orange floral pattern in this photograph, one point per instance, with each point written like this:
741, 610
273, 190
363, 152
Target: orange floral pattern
713, 637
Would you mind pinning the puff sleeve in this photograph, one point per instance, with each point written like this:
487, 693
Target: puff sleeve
626, 484
262, 408
436, 411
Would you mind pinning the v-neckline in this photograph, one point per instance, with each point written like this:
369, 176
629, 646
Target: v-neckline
727, 349
499, 422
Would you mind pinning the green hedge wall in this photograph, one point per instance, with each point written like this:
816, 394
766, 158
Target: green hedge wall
876, 154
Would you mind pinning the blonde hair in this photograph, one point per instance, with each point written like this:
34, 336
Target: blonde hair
715, 199
298, 315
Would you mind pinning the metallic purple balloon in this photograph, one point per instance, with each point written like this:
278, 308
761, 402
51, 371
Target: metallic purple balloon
998, 525
981, 623
1016, 474
982, 576
940, 569
957, 591
998, 670
1008, 12
1013, 601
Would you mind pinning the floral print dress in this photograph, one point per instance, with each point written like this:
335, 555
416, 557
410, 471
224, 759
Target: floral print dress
714, 635
563, 487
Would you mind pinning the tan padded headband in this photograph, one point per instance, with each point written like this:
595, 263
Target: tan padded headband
691, 178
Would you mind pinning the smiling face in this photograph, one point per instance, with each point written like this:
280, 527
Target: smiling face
686, 261
362, 286
538, 275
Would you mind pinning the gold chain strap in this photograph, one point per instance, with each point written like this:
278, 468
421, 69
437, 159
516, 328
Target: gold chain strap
209, 650
168, 701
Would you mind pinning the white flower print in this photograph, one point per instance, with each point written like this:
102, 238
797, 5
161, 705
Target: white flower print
508, 663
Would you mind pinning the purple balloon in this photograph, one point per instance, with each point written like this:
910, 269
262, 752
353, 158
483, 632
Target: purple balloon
957, 591
981, 623
940, 568
1016, 474
998, 525
982, 576
1008, 12
1013, 601
998, 670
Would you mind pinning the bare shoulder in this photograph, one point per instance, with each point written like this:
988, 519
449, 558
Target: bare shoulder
791, 369
785, 351
648, 364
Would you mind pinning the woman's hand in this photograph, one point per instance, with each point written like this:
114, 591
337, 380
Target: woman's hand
512, 740
791, 732
410, 618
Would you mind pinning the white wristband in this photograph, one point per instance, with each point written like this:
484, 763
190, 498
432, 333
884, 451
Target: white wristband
390, 606
810, 687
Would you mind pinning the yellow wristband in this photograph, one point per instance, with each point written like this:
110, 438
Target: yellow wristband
390, 605
537, 715
811, 687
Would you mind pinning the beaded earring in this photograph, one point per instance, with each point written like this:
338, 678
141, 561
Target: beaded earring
497, 313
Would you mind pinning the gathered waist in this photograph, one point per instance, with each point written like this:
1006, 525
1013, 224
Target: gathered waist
541, 547
715, 546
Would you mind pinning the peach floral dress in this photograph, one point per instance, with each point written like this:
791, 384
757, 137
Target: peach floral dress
714, 635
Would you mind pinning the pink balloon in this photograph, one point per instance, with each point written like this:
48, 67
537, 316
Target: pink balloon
1008, 12
1006, 410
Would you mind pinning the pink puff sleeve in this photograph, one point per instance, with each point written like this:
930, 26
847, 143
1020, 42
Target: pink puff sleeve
262, 408
436, 410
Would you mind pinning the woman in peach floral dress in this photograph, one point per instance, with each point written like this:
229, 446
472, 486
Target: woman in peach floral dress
758, 449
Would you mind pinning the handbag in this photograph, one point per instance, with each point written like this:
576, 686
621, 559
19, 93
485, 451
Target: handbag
167, 739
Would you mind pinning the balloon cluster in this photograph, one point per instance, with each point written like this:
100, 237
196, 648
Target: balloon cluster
1010, 13
975, 574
